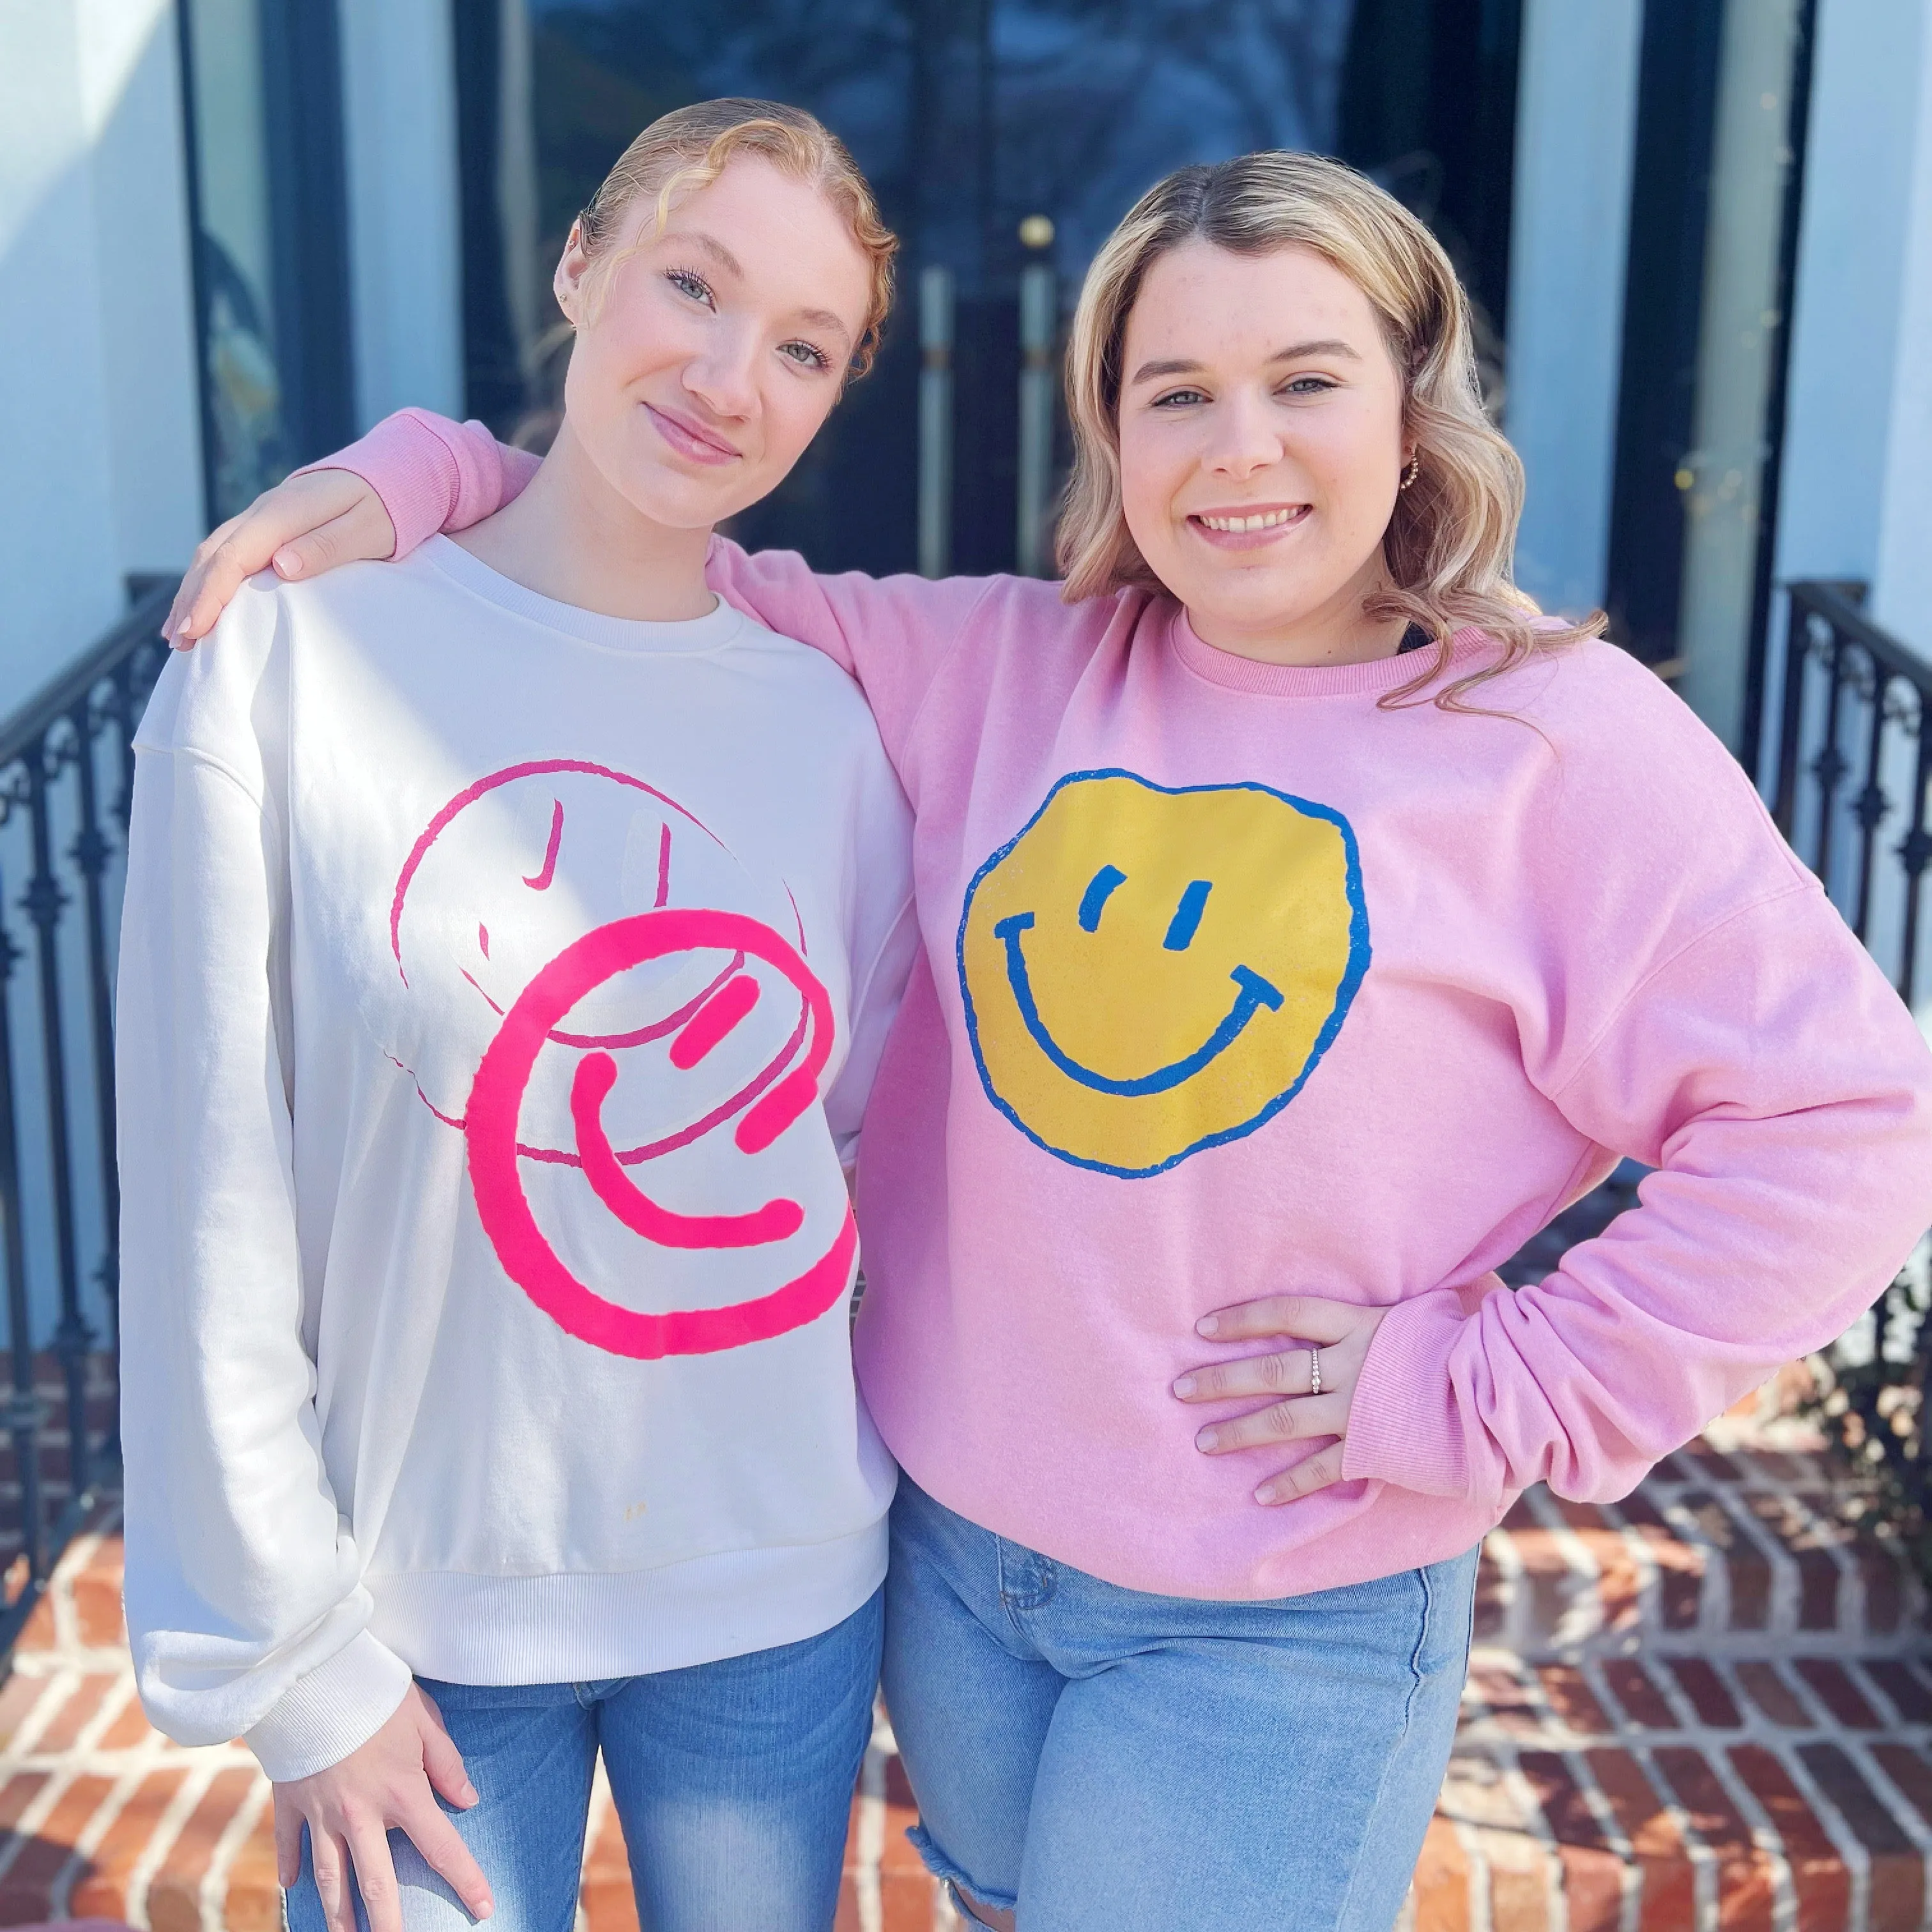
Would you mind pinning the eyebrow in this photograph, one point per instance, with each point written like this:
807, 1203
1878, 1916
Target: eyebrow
815, 318
716, 248
1329, 345
824, 318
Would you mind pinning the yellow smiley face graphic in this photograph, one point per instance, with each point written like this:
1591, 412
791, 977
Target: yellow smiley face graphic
1150, 971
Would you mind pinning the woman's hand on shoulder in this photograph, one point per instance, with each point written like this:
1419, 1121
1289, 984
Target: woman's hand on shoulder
1312, 1384
391, 1781
304, 526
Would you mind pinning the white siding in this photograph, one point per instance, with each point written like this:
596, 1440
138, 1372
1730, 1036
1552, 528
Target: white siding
100, 462
405, 211
1868, 80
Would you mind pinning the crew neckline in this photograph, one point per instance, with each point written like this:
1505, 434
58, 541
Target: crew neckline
688, 636
1370, 678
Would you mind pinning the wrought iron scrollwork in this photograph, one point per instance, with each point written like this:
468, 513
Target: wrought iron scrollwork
66, 781
1853, 708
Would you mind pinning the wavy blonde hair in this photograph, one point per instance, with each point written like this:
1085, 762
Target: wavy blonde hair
1449, 541
688, 149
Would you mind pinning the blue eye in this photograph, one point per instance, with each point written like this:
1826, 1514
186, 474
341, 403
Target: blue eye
1187, 920
1099, 889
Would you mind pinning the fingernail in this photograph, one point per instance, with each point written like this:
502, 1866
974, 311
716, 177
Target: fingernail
1208, 1324
287, 563
1208, 1438
484, 1910
469, 1792
1184, 1385
1268, 1493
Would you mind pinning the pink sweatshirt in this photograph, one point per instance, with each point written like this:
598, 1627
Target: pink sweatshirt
1235, 984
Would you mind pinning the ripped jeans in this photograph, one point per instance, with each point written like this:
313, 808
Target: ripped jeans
733, 1781
1117, 1762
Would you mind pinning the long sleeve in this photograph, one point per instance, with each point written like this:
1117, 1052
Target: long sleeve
433, 474
246, 1609
1784, 1096
891, 633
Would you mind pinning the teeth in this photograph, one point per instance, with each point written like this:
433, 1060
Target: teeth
1268, 520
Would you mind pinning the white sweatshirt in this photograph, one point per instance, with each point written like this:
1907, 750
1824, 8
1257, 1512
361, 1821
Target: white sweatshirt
486, 1253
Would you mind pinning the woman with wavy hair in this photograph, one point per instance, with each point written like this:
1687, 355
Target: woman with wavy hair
1307, 922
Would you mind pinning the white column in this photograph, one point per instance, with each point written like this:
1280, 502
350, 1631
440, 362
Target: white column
1902, 583
1575, 129
935, 421
405, 211
1039, 324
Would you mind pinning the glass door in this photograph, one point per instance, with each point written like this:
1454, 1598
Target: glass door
1004, 138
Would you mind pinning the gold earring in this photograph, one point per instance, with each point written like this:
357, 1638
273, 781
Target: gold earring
1409, 475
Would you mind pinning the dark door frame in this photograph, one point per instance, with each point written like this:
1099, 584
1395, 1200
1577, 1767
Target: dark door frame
308, 217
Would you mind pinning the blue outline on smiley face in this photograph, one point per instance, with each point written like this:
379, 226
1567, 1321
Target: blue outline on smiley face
1255, 991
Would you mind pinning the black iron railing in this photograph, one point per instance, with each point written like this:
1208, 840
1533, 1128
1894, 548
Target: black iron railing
1854, 778
66, 782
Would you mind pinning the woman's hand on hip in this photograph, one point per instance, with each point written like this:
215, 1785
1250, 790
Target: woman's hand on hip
304, 526
391, 1780
1331, 1336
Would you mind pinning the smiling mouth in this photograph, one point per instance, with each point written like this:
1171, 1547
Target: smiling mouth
1253, 993
687, 439
777, 1220
1243, 529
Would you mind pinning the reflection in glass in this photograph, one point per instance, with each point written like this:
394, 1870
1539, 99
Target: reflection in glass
234, 261
261, 82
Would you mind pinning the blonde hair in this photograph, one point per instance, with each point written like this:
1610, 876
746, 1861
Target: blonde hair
1449, 541
688, 149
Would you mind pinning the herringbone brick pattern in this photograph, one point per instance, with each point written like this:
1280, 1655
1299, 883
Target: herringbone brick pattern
1707, 1707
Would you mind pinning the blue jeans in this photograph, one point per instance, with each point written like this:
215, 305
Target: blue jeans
1111, 1761
733, 1781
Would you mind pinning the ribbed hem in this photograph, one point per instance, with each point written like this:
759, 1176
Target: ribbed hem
1402, 1421
323, 1717
1466, 647
583, 1628
689, 637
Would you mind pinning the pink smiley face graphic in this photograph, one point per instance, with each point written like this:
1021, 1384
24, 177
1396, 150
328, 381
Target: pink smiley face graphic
589, 1021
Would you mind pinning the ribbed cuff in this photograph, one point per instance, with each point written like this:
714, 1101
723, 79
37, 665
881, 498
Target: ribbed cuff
1402, 1420
323, 1717
432, 475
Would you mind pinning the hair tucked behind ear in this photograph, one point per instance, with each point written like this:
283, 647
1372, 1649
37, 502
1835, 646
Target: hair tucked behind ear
1449, 542
688, 148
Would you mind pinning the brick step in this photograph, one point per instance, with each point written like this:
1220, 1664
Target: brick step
1741, 1554
1707, 1707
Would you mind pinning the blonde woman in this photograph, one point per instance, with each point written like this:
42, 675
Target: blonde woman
1306, 922
510, 940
